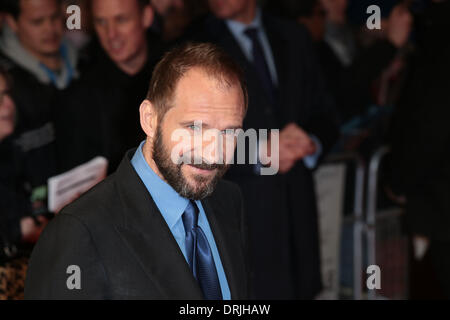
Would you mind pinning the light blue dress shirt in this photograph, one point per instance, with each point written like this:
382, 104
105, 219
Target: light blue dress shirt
237, 29
172, 206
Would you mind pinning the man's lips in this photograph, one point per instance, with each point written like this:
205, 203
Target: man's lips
202, 171
116, 47
52, 40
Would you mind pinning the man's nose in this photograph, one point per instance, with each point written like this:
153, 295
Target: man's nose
212, 151
111, 31
48, 26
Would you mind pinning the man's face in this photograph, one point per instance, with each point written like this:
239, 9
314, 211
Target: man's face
335, 6
121, 27
316, 23
7, 111
198, 99
228, 9
39, 26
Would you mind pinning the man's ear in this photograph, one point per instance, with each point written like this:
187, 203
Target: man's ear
148, 16
149, 118
12, 23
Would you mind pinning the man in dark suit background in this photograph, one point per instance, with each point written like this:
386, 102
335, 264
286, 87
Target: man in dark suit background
106, 99
420, 161
159, 228
286, 92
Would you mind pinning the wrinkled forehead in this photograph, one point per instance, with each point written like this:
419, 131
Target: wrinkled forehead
201, 90
202, 97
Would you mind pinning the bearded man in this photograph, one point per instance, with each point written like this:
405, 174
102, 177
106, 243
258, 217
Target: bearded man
164, 225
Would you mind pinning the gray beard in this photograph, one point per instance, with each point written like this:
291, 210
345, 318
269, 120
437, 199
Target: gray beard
174, 177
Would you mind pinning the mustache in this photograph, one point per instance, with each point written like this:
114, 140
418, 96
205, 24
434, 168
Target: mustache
199, 163
207, 166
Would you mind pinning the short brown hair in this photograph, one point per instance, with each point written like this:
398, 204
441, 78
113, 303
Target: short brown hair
177, 62
13, 7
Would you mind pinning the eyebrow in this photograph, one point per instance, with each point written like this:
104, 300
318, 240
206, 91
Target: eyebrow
207, 126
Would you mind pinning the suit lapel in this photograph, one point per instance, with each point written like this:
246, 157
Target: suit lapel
150, 240
148, 237
227, 237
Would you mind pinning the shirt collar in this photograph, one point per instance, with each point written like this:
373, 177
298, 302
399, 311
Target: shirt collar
169, 202
239, 27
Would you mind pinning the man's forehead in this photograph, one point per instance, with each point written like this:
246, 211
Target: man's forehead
201, 80
199, 92
38, 7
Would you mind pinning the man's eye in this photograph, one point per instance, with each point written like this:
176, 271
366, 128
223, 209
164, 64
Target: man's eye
194, 127
122, 19
56, 17
37, 22
100, 22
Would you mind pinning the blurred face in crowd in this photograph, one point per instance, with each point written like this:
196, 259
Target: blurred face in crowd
239, 10
163, 7
39, 26
335, 5
316, 22
197, 98
7, 110
336, 9
121, 27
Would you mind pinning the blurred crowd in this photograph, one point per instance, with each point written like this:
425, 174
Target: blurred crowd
314, 70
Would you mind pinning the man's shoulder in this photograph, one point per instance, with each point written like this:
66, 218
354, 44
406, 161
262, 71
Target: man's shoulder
288, 28
97, 205
227, 192
225, 185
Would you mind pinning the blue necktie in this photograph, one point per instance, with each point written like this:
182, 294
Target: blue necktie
199, 255
260, 63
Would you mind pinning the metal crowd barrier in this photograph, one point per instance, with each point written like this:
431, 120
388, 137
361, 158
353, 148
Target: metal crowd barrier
356, 217
378, 237
387, 244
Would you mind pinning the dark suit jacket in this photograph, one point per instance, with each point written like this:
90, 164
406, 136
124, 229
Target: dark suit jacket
421, 136
104, 102
14, 203
125, 250
281, 209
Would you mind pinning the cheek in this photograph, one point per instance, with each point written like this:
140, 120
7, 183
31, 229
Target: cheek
134, 34
103, 37
31, 34
9, 105
229, 149
6, 128
173, 143
59, 28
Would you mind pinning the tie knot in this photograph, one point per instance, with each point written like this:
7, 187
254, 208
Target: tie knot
251, 32
190, 216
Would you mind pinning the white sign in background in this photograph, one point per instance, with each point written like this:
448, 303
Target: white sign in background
330, 186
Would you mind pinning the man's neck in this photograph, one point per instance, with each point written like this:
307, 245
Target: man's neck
338, 19
135, 65
248, 15
52, 62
